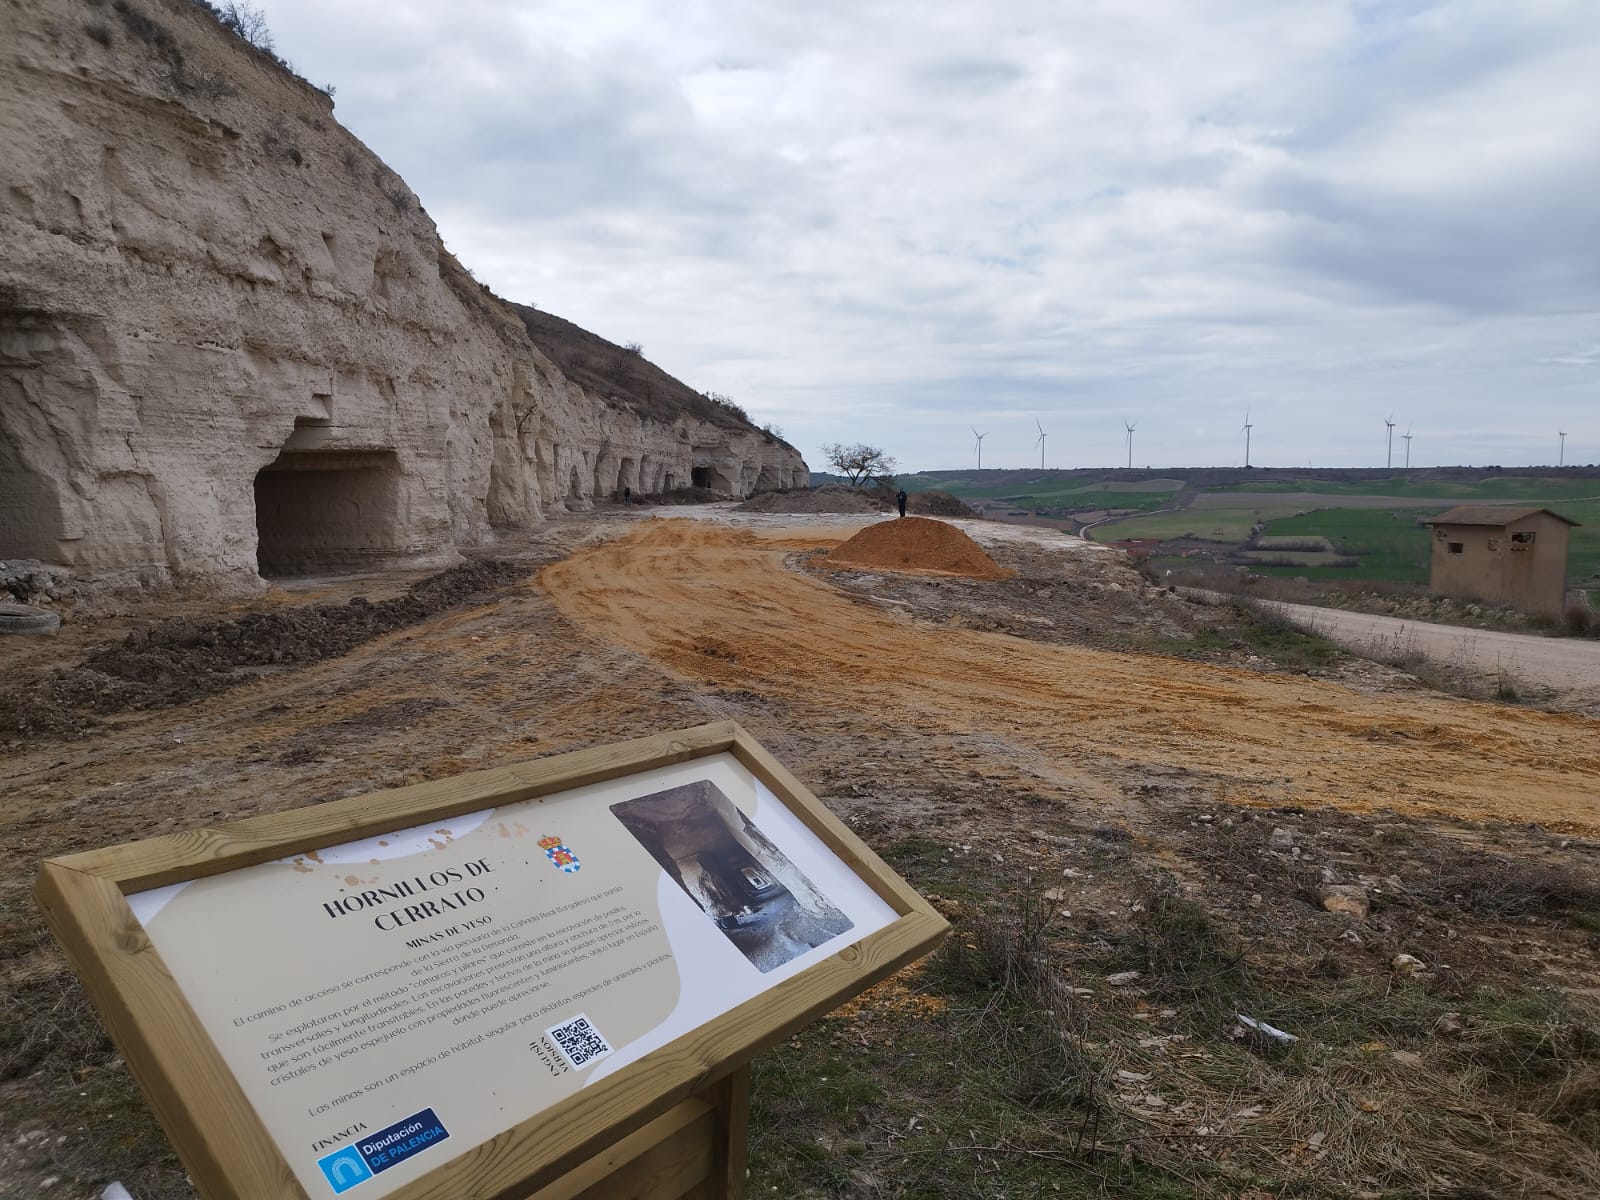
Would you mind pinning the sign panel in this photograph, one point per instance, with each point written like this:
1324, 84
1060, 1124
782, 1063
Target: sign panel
389, 1002
463, 1003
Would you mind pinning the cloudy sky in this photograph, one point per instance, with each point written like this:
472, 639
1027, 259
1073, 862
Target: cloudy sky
889, 221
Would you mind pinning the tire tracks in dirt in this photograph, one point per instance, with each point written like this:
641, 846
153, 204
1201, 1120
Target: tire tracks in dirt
717, 606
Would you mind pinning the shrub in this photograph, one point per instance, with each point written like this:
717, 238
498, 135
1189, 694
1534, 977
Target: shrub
1174, 941
1006, 951
728, 403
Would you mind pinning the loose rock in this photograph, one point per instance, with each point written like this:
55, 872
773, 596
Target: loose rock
1346, 898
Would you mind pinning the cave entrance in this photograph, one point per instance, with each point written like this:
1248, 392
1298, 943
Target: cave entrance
327, 512
700, 477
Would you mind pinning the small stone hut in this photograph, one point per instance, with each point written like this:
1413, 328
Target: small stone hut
1502, 555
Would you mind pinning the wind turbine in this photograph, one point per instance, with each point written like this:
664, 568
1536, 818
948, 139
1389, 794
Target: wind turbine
1040, 443
1388, 458
1406, 437
1246, 431
1561, 460
1129, 424
977, 439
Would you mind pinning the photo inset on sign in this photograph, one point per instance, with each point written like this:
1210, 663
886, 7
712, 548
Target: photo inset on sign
757, 897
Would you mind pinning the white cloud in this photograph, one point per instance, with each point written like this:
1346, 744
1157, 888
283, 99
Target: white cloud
888, 221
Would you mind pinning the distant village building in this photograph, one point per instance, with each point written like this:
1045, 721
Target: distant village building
1515, 557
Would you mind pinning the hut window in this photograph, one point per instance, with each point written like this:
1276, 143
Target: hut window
1458, 547
1525, 538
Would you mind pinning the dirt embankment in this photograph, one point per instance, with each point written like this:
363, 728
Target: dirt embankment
717, 606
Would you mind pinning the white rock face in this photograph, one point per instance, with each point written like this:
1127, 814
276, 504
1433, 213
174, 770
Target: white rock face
231, 342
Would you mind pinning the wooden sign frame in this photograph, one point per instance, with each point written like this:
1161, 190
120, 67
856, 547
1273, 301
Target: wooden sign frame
698, 1078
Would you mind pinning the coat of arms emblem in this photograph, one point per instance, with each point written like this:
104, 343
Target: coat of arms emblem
559, 855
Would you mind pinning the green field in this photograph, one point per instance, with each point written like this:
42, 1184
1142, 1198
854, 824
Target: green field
1497, 487
1312, 542
1387, 541
1583, 552
1260, 560
1208, 525
1389, 544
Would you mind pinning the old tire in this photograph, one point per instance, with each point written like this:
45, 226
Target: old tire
22, 618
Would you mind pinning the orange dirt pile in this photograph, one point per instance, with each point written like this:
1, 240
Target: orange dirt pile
917, 544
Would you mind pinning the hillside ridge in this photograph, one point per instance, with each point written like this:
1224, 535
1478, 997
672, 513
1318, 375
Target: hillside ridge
233, 345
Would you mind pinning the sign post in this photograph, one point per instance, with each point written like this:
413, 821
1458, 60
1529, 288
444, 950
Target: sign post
545, 980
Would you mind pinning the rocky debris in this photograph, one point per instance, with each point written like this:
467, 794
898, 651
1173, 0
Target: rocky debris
917, 544
1406, 966
1346, 898
1062, 594
29, 581
177, 660
1123, 979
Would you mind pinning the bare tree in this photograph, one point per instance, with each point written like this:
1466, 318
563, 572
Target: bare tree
860, 463
247, 22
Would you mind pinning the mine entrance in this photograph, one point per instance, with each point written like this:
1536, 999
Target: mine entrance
327, 512
700, 476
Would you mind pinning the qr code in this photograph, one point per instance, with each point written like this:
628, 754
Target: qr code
579, 1041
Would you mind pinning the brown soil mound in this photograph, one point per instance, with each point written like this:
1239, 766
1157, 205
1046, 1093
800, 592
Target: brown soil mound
917, 544
828, 499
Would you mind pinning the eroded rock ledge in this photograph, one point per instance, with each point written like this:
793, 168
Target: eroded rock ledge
232, 343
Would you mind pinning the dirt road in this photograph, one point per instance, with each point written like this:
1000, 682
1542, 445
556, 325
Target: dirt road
717, 606
1566, 664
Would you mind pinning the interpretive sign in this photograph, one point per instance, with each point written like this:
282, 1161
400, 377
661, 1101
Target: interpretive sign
472, 985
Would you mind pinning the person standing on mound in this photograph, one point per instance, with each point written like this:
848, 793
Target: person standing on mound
900, 499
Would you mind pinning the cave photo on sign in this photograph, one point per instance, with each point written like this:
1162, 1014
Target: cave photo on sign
760, 900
